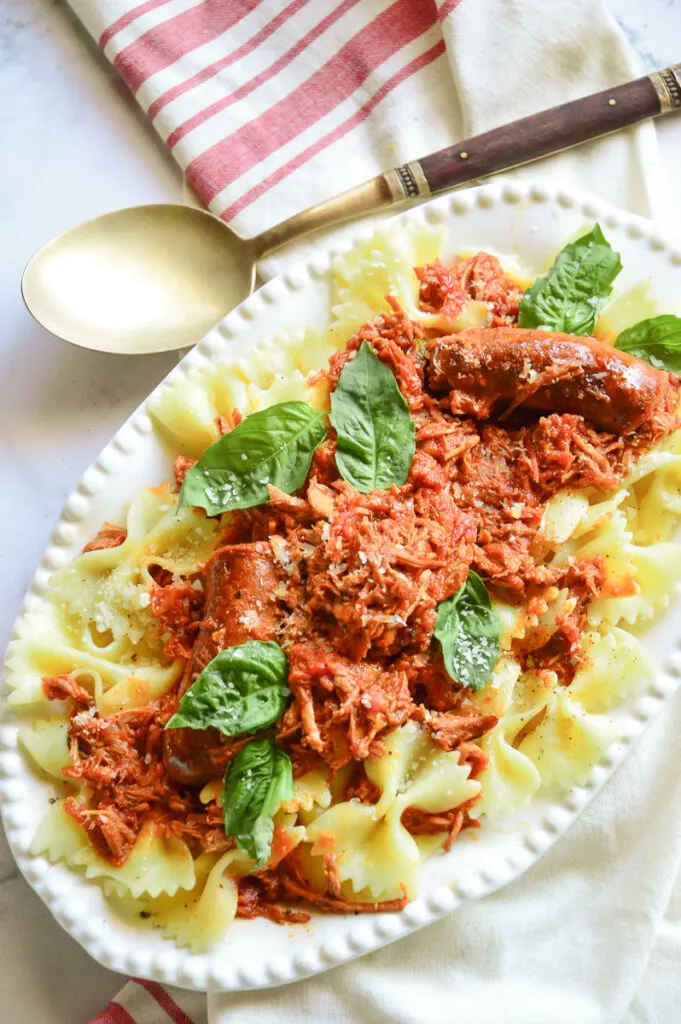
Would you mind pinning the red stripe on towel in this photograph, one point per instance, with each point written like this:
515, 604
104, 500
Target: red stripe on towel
415, 65
325, 90
163, 45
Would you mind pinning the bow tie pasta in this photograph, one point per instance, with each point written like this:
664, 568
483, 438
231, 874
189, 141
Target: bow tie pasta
375, 853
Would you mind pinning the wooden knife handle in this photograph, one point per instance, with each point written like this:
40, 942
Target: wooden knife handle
512, 144
541, 134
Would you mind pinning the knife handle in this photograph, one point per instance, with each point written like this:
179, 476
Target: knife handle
538, 135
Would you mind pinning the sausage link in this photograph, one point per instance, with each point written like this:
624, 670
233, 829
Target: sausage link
240, 606
240, 601
492, 371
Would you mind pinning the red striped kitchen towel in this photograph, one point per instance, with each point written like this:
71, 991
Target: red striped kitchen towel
147, 1002
270, 107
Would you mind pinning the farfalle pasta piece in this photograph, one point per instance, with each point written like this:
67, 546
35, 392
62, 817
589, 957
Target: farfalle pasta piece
375, 855
375, 852
155, 865
639, 579
570, 514
295, 353
659, 505
562, 515
186, 410
102, 596
562, 730
199, 918
612, 542
567, 741
46, 741
43, 649
374, 268
615, 667
58, 837
599, 511
248, 397
652, 489
664, 455
384, 265
312, 351
138, 689
179, 541
656, 571
98, 623
415, 772
496, 697
312, 796
510, 779
185, 414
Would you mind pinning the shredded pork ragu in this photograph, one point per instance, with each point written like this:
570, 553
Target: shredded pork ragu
178, 606
355, 581
481, 278
110, 535
120, 758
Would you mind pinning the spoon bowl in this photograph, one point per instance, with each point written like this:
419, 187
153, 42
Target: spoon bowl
142, 280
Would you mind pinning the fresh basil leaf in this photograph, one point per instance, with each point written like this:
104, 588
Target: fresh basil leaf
657, 340
468, 630
375, 445
272, 446
242, 689
257, 782
569, 297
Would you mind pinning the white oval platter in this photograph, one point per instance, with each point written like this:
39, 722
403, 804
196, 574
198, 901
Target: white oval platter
512, 219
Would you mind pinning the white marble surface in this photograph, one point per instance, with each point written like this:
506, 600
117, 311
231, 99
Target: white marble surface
74, 145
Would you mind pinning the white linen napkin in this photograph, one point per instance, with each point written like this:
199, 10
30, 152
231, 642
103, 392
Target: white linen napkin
592, 934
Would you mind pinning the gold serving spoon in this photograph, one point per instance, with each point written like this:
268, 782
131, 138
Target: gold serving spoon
157, 278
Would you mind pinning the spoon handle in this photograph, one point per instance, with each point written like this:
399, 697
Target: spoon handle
511, 145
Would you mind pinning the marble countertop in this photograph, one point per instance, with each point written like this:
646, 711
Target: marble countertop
74, 146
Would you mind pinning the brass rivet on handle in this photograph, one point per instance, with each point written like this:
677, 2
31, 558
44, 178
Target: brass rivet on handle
464, 155
611, 103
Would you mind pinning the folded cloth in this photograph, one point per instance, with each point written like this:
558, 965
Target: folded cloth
270, 108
